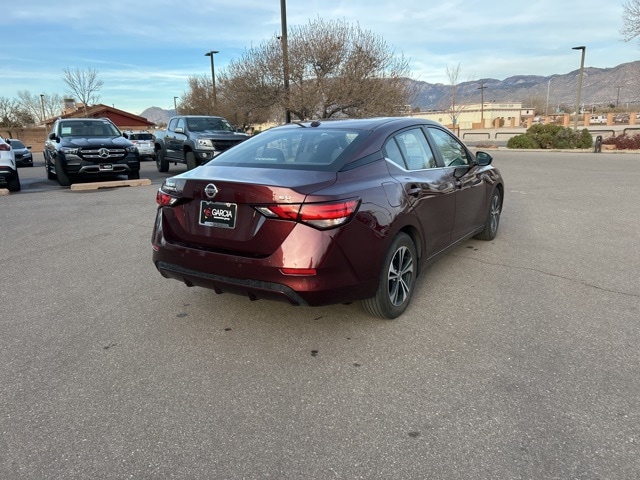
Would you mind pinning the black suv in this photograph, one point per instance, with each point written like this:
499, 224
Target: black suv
81, 148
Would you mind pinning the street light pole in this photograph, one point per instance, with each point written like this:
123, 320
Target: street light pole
481, 88
213, 75
546, 110
583, 48
175, 105
42, 105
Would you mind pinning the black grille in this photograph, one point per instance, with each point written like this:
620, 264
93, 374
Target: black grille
103, 154
222, 145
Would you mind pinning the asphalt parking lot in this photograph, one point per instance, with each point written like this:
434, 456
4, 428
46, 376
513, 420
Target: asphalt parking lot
517, 359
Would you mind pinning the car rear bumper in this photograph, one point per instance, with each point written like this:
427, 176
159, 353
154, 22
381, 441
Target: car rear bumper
337, 278
254, 289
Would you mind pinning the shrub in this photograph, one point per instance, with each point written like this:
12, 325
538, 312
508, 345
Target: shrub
624, 142
551, 136
522, 141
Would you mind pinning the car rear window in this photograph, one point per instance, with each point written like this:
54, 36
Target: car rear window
140, 136
298, 149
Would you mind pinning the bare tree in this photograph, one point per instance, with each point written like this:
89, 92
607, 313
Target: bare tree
40, 107
83, 84
335, 69
454, 109
12, 116
630, 20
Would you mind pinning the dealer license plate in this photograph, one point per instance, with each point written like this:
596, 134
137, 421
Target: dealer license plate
217, 214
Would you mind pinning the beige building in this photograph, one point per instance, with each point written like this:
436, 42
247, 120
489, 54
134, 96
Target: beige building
480, 115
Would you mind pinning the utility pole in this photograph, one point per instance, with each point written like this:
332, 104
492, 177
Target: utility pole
285, 59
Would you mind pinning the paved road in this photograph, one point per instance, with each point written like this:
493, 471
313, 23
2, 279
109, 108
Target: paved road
518, 358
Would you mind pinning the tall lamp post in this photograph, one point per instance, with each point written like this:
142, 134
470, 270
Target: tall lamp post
481, 88
583, 48
42, 105
213, 75
546, 110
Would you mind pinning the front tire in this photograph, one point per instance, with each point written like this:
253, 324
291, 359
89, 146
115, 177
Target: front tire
50, 174
493, 217
162, 164
397, 280
190, 158
63, 178
134, 175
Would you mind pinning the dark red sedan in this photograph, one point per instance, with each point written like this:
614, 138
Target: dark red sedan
326, 212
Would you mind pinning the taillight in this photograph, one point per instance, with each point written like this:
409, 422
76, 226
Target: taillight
164, 199
4, 147
170, 192
319, 215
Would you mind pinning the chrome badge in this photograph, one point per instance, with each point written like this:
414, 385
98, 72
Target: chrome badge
210, 190
103, 152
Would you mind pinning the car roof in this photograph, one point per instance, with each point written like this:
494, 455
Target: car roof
363, 123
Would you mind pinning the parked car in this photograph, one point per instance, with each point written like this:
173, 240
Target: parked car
23, 155
81, 148
144, 142
9, 177
325, 212
621, 118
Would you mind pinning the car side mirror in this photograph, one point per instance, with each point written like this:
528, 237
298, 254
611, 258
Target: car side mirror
124, 134
179, 130
483, 159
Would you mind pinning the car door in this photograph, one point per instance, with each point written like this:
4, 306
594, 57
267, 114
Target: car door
429, 193
174, 140
470, 186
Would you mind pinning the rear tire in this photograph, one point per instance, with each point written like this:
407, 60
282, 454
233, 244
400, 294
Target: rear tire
161, 162
493, 217
14, 184
190, 158
63, 178
397, 280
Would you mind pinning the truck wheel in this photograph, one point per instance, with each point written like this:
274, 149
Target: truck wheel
161, 162
63, 178
190, 157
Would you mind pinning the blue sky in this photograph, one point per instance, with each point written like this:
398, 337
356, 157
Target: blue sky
145, 51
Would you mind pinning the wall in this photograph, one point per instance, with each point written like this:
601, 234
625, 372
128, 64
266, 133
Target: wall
33, 137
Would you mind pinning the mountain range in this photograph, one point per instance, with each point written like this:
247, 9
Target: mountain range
601, 87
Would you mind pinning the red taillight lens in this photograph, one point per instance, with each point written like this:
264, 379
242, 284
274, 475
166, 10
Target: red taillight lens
5, 147
164, 199
319, 215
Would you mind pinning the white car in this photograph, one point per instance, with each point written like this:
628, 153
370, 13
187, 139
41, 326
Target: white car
8, 170
144, 141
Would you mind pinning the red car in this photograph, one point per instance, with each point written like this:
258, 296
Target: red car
326, 212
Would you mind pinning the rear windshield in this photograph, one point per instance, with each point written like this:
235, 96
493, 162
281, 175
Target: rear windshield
140, 136
298, 149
